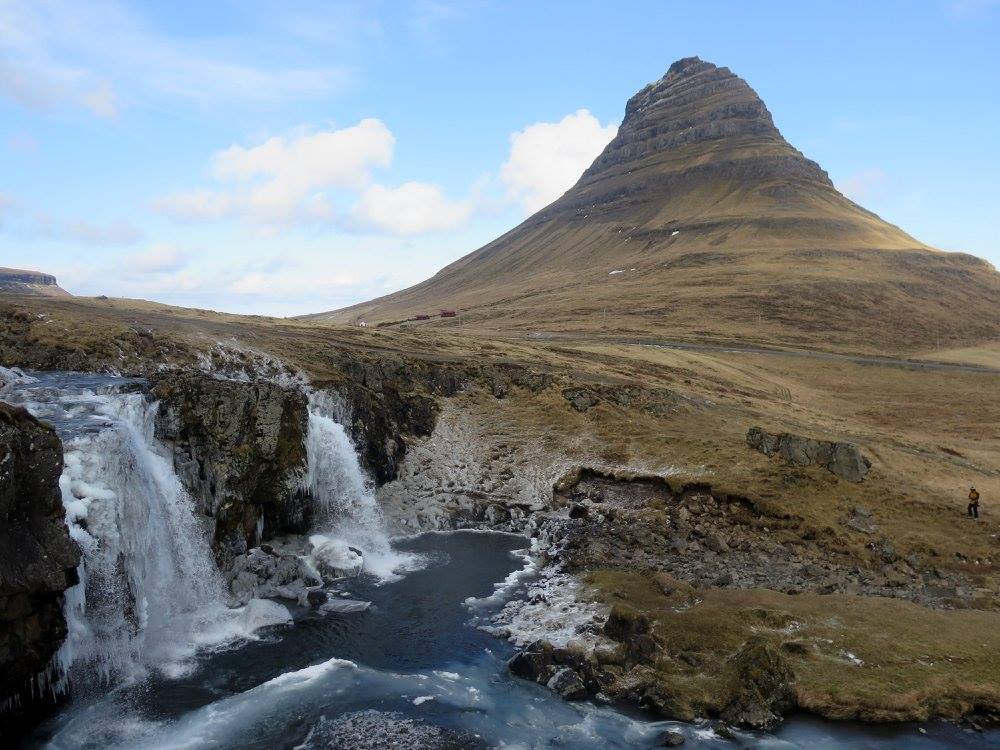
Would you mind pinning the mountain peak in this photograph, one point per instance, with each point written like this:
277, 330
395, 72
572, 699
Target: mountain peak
699, 218
697, 113
686, 65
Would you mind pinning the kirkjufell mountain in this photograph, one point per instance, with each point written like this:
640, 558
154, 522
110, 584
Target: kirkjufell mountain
700, 220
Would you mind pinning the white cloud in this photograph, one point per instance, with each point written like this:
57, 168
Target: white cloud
118, 233
65, 53
157, 258
196, 205
101, 100
282, 180
411, 208
864, 184
41, 85
547, 158
311, 177
25, 221
278, 283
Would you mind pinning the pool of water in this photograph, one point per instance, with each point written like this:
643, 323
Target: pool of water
414, 651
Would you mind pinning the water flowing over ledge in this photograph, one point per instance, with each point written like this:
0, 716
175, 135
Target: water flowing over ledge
149, 594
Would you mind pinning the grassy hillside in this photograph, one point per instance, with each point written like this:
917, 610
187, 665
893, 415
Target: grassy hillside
699, 221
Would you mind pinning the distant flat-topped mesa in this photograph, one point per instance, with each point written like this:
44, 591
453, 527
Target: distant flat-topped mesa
700, 221
18, 281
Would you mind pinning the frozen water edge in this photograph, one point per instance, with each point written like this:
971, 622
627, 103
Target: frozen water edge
551, 606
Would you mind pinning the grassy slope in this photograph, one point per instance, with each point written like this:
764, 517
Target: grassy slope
727, 237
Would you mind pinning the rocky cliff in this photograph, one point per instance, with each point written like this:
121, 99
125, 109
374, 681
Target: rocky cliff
18, 281
239, 447
37, 560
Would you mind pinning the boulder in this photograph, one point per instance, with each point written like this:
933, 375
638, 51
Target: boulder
568, 684
844, 460
535, 662
333, 559
671, 739
266, 573
760, 686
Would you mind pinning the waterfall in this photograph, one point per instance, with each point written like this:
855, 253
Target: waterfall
345, 506
149, 594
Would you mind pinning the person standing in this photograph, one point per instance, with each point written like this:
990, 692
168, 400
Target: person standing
973, 503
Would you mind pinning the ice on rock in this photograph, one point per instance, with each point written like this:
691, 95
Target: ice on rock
334, 558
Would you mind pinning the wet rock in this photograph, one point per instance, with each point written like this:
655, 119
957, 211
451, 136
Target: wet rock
37, 559
568, 684
671, 739
536, 662
842, 459
333, 559
760, 691
263, 575
239, 449
382, 730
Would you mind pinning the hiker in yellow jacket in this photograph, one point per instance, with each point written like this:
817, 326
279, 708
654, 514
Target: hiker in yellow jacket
973, 503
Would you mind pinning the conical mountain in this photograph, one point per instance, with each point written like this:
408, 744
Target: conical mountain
699, 220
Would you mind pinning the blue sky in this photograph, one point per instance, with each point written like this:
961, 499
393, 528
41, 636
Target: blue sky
291, 157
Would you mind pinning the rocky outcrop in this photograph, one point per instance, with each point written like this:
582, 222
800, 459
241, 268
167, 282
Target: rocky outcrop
694, 104
265, 573
37, 559
18, 281
706, 537
570, 674
389, 400
843, 459
239, 447
760, 687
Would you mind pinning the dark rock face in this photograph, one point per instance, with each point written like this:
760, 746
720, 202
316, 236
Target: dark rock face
383, 730
18, 281
37, 558
695, 103
761, 689
239, 448
566, 672
389, 400
843, 459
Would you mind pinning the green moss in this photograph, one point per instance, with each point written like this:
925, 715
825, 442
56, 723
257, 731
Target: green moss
852, 657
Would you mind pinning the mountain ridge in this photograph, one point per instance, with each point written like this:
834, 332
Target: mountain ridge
35, 283
700, 220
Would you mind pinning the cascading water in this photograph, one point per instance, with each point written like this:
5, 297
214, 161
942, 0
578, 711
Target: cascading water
149, 593
347, 513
